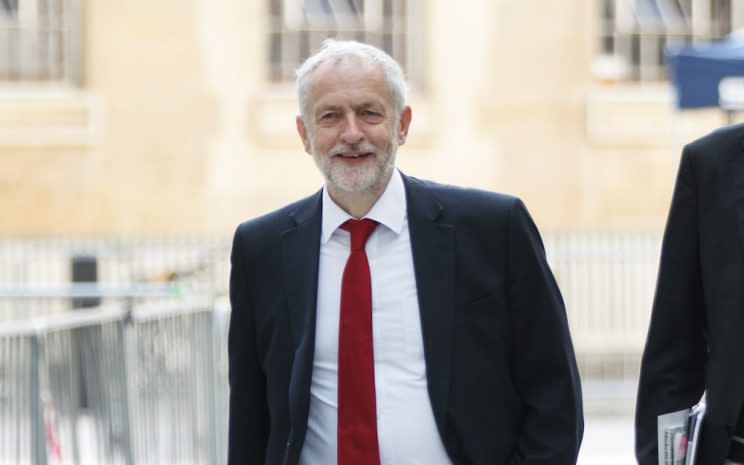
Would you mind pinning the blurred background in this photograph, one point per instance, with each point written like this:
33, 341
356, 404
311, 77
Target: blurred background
135, 136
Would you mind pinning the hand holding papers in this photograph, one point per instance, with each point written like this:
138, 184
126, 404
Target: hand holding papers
679, 435
693, 431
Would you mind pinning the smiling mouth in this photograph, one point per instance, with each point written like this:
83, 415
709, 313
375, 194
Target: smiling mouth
354, 155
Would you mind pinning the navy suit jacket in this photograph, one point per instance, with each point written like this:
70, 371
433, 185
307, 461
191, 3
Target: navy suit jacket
501, 372
695, 341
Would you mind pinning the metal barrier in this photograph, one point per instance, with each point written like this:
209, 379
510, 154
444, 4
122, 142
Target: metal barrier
21, 432
197, 266
607, 281
86, 413
607, 278
171, 385
54, 373
113, 386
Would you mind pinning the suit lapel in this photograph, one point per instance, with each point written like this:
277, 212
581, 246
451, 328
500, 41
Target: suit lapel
432, 243
300, 276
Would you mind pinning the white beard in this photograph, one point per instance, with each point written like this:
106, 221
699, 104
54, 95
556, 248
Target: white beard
355, 179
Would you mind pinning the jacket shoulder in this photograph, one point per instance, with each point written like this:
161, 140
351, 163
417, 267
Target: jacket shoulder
718, 143
275, 222
707, 160
468, 201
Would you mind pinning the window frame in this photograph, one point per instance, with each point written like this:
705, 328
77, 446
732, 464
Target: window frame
291, 37
635, 46
43, 40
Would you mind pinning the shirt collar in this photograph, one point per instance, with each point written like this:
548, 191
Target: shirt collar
389, 210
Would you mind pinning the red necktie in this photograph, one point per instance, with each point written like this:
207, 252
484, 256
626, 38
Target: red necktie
357, 411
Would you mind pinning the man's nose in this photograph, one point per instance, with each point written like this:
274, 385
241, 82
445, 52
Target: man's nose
352, 133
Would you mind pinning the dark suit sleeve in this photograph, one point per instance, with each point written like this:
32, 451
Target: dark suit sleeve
674, 357
248, 428
543, 363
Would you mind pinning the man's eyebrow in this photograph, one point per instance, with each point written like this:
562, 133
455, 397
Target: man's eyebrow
371, 104
362, 106
327, 107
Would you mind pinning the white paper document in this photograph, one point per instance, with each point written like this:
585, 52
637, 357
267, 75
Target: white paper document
679, 435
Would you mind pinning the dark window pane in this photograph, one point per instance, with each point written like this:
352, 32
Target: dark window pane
275, 7
721, 16
304, 45
607, 10
8, 6
662, 50
607, 45
275, 57
635, 50
387, 9
387, 42
357, 7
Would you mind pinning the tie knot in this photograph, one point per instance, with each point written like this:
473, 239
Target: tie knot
360, 231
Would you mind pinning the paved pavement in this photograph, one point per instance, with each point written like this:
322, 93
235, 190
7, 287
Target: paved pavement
607, 441
608, 422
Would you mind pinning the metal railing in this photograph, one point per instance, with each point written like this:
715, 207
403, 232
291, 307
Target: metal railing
21, 431
175, 385
140, 386
193, 266
607, 280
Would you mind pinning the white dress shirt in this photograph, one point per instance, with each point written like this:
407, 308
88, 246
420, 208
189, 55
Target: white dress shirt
406, 429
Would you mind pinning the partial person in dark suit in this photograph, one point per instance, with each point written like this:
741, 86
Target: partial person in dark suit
696, 337
386, 319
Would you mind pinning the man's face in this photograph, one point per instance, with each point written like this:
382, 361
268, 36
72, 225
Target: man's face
352, 130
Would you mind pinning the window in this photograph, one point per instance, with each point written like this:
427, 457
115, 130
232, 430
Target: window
297, 28
8, 7
635, 33
40, 41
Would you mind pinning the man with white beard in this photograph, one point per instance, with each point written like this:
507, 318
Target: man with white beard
390, 320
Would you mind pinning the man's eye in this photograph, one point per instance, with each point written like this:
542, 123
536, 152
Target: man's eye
327, 116
370, 114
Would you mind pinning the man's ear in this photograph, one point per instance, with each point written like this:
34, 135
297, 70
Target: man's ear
405, 123
302, 131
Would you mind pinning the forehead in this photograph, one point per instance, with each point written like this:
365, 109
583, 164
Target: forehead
349, 80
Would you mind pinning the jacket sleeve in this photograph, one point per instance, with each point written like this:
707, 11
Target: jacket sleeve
675, 353
543, 363
248, 423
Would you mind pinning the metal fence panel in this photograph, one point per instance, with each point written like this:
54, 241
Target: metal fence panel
111, 387
21, 426
221, 387
86, 390
607, 281
173, 392
62, 388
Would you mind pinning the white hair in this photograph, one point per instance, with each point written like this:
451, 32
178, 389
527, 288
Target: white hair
338, 50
